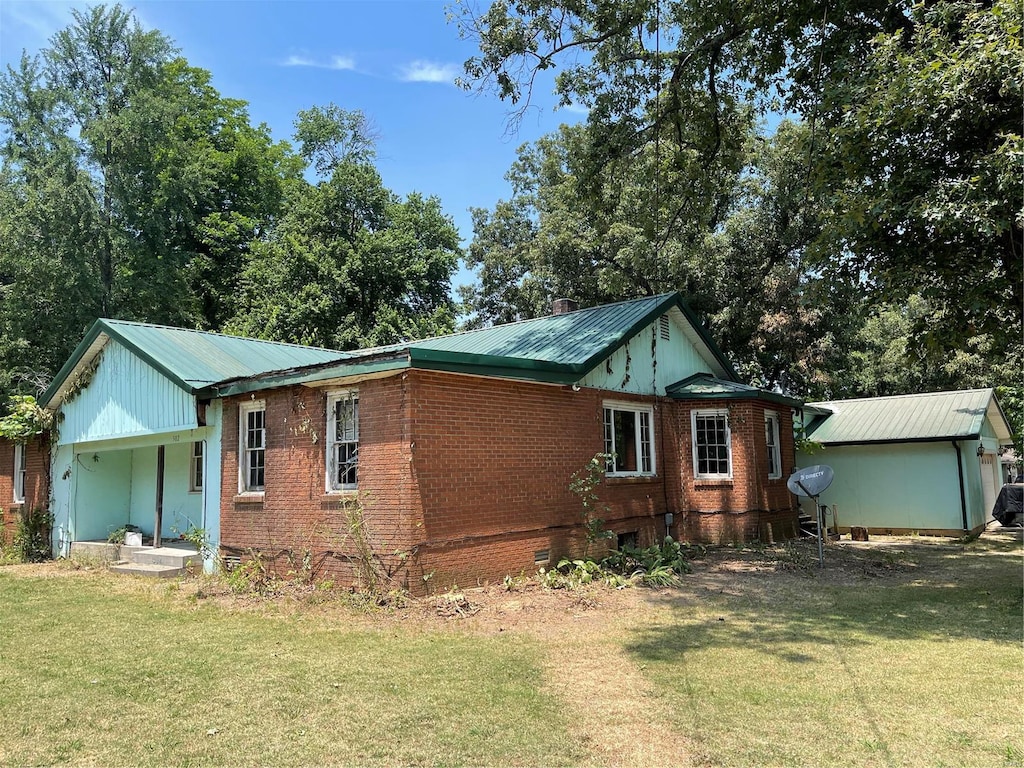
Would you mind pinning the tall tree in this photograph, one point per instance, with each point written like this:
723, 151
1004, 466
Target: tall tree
735, 244
349, 264
914, 111
129, 188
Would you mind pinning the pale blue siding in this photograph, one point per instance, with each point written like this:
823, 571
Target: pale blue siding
911, 486
647, 363
126, 397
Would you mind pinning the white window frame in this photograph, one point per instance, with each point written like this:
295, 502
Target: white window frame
197, 467
244, 410
637, 409
771, 439
714, 412
333, 442
19, 473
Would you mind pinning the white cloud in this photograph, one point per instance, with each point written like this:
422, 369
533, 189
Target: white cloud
575, 108
428, 72
334, 62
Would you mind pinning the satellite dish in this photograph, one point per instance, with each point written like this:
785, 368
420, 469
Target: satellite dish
810, 481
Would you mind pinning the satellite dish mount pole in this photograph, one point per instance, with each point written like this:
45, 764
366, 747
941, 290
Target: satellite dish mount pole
821, 521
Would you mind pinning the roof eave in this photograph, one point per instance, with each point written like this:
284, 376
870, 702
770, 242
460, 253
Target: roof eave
495, 365
897, 440
772, 397
306, 375
101, 327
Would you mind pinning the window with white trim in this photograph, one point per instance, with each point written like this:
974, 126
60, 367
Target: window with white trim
629, 439
771, 439
342, 440
19, 473
712, 444
252, 430
195, 470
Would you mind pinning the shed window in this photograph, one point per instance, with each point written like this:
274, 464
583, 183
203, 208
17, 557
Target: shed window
628, 439
342, 441
19, 472
712, 445
253, 429
771, 437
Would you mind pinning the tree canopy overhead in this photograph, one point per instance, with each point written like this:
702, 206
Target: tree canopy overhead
913, 109
131, 188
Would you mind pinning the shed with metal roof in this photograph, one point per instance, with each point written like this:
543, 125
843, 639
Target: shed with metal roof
924, 462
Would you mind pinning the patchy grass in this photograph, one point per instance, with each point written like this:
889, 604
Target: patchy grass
903, 653
106, 672
906, 656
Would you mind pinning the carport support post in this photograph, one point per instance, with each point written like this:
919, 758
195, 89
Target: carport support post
159, 494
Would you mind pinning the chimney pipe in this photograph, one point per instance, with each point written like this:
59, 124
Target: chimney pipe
564, 306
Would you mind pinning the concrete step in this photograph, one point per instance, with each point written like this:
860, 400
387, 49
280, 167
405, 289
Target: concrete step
151, 570
95, 551
177, 557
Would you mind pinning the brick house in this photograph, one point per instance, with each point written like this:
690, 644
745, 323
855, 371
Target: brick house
455, 453
23, 482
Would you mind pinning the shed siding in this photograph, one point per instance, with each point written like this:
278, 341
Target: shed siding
883, 487
646, 364
126, 397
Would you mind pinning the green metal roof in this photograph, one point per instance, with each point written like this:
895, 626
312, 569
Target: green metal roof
557, 349
704, 386
925, 417
191, 359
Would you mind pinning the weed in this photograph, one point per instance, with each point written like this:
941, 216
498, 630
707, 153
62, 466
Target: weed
32, 535
250, 576
584, 483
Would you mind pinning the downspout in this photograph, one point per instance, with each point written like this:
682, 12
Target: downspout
960, 475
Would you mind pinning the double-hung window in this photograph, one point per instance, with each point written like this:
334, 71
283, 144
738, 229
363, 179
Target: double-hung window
629, 439
195, 472
253, 443
712, 445
19, 473
342, 441
771, 437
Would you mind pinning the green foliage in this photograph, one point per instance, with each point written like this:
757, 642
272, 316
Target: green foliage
573, 574
584, 484
659, 565
348, 264
901, 181
31, 541
24, 419
117, 536
200, 539
251, 576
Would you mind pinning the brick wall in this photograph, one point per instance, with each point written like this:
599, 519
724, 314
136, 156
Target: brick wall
37, 490
492, 462
749, 506
295, 514
469, 478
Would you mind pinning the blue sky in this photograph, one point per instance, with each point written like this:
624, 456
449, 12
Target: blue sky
394, 59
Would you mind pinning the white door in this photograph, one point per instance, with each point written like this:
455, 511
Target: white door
989, 466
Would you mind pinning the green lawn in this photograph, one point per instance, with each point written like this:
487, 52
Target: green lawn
91, 676
883, 659
920, 666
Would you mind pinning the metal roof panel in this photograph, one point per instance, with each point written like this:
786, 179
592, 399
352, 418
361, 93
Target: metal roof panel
926, 416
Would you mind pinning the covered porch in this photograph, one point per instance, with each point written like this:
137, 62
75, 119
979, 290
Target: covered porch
154, 488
